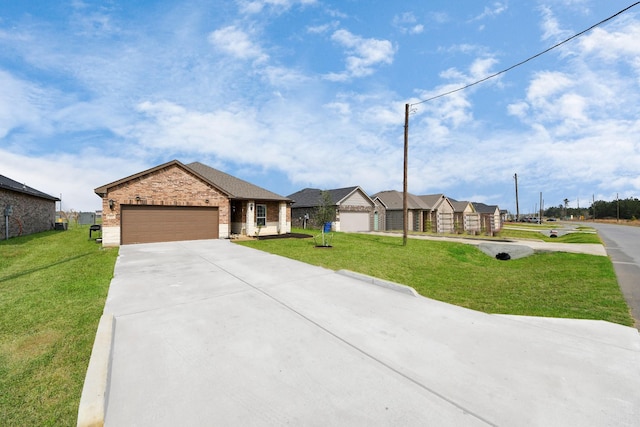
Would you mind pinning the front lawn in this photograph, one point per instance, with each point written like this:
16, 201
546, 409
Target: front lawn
53, 287
581, 236
546, 284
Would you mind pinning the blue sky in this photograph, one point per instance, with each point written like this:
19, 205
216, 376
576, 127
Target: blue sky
289, 94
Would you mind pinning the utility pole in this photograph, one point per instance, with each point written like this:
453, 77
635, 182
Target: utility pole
617, 208
593, 205
541, 210
517, 207
405, 204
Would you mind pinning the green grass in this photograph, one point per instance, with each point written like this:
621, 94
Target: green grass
546, 284
575, 237
53, 287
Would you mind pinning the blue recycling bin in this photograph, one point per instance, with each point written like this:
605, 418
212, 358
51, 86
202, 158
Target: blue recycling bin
327, 227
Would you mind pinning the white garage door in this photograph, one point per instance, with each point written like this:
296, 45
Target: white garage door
354, 221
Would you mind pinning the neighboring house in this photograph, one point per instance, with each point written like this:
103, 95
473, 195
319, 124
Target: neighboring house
174, 201
438, 218
504, 215
354, 209
389, 211
490, 218
26, 209
465, 217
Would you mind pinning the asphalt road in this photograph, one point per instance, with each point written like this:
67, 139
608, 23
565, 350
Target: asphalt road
622, 243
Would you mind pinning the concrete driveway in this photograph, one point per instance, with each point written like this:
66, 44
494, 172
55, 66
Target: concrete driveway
213, 333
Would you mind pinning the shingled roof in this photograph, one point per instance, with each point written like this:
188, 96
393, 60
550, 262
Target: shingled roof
460, 206
312, 197
234, 188
11, 185
485, 209
393, 200
433, 200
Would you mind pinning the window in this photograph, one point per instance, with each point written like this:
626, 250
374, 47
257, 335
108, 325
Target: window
261, 215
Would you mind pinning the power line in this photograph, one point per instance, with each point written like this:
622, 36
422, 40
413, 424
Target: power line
528, 59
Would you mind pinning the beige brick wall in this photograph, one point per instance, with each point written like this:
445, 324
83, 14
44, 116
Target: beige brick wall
172, 186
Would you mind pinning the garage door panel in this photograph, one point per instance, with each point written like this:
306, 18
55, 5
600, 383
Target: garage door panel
355, 221
149, 224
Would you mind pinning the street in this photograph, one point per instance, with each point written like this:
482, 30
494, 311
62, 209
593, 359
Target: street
622, 243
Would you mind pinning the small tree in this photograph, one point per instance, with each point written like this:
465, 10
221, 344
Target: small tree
325, 213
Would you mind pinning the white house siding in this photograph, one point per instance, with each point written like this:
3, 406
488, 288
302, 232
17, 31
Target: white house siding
284, 226
472, 222
355, 213
444, 217
497, 221
445, 222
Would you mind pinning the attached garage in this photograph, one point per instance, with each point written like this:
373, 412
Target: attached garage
353, 207
173, 202
150, 224
354, 221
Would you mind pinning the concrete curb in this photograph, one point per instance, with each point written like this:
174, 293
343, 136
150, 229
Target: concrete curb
91, 410
379, 282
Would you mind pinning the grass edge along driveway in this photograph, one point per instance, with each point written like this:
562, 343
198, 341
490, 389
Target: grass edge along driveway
53, 287
553, 284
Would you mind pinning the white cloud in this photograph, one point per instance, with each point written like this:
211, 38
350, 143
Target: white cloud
150, 96
237, 43
582, 117
439, 17
284, 77
362, 54
321, 29
256, 6
518, 109
408, 23
551, 27
547, 84
72, 176
619, 44
18, 104
497, 8
481, 68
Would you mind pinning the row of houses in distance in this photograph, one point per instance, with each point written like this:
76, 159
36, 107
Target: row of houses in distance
175, 201
356, 211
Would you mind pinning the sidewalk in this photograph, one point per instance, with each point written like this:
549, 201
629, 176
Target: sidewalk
536, 245
213, 333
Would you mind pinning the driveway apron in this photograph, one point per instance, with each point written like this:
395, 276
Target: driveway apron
213, 333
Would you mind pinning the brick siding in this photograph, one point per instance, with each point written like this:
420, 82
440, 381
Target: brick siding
30, 214
170, 187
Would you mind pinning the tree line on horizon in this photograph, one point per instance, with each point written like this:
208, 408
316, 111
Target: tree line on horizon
628, 209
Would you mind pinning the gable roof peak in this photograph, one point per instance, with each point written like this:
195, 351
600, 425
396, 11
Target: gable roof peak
231, 186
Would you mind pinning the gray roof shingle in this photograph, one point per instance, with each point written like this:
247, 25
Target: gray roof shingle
482, 208
432, 200
312, 197
9, 184
236, 187
392, 199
